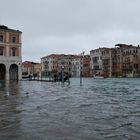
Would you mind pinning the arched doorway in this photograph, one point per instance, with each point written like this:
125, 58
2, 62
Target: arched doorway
2, 72
13, 72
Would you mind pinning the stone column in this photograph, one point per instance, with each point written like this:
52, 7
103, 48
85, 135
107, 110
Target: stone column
19, 38
7, 73
7, 51
7, 37
20, 72
20, 51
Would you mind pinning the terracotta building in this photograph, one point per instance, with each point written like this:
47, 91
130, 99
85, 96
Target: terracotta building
121, 61
30, 68
131, 62
10, 54
106, 62
86, 66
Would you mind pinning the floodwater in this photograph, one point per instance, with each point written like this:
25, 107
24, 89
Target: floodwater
100, 109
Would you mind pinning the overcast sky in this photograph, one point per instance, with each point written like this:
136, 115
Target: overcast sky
71, 26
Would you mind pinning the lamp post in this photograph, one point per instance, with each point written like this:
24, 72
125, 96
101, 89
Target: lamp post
41, 72
92, 71
41, 68
63, 74
62, 70
81, 60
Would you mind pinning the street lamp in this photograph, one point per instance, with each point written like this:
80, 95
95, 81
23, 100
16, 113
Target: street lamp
63, 74
92, 68
81, 58
62, 70
41, 72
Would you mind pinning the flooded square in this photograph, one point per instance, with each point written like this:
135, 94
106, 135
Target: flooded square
104, 109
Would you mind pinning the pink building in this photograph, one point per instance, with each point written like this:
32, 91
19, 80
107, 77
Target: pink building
10, 54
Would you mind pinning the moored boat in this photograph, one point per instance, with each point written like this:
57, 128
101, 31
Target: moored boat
98, 77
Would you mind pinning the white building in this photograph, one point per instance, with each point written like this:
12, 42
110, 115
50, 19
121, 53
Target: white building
50, 63
76, 66
96, 64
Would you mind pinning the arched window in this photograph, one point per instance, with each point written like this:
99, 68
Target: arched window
13, 51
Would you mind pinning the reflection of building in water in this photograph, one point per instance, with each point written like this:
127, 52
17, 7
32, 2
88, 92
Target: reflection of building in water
10, 111
10, 54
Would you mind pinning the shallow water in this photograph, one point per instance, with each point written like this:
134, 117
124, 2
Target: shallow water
100, 109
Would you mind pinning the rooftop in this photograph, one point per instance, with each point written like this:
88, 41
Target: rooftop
3, 27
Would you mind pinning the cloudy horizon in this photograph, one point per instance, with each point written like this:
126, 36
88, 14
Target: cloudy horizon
71, 26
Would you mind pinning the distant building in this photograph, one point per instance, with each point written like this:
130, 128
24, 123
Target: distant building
27, 69
37, 68
96, 64
121, 61
131, 61
86, 66
116, 69
30, 69
50, 64
10, 54
106, 62
71, 64
65, 62
76, 60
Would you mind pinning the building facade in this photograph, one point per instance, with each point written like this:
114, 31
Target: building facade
51, 64
121, 61
73, 65
106, 62
31, 68
131, 62
65, 62
86, 66
96, 64
10, 54
76, 61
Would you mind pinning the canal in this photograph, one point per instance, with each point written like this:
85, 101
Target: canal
100, 109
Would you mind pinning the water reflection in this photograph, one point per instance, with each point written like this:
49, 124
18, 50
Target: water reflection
100, 109
9, 114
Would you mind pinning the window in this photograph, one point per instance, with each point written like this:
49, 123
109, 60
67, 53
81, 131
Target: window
13, 39
136, 57
13, 51
1, 51
1, 38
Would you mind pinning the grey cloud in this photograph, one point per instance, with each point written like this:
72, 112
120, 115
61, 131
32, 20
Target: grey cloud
71, 26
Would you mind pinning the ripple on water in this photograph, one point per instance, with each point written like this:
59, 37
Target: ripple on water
104, 109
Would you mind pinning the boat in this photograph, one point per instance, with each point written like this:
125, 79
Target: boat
98, 77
